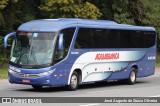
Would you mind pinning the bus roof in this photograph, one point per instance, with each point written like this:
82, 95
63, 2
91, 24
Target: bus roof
52, 25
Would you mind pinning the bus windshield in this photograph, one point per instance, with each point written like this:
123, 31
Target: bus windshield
33, 48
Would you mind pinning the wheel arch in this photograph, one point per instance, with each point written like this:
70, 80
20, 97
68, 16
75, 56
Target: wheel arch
79, 72
135, 67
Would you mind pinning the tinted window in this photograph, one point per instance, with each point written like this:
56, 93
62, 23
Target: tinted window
109, 38
63, 43
149, 38
68, 35
84, 38
99, 39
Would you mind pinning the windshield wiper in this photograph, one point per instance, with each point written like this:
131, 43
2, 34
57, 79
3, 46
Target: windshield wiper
31, 52
20, 57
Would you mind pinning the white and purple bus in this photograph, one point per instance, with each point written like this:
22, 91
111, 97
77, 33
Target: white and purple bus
69, 52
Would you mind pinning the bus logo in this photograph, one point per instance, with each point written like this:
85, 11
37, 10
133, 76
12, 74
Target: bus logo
107, 56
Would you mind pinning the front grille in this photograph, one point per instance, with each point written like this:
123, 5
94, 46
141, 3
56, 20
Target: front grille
33, 75
27, 75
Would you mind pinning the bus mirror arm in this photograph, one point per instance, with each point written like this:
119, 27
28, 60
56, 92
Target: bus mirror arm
6, 38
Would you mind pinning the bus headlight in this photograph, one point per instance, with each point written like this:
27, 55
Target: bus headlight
46, 73
11, 71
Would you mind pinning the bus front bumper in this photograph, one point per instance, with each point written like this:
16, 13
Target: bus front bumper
41, 81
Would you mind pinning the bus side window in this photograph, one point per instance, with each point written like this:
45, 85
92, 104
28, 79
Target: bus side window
83, 39
66, 42
99, 38
149, 38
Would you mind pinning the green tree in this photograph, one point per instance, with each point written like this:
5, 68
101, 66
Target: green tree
9, 16
12, 14
3, 4
116, 10
69, 9
26, 11
137, 11
152, 11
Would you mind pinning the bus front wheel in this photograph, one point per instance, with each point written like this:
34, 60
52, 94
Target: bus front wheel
132, 76
73, 81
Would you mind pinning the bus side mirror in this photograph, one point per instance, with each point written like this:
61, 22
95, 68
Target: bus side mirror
60, 42
6, 38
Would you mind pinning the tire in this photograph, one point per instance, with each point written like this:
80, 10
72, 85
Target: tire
37, 87
132, 76
74, 81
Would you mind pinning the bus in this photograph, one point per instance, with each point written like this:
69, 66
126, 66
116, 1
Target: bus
69, 52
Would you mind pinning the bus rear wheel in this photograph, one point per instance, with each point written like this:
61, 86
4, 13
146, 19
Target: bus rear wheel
132, 76
37, 87
73, 82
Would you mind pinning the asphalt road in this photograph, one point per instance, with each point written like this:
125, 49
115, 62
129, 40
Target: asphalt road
145, 87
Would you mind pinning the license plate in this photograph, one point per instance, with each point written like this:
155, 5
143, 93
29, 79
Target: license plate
26, 81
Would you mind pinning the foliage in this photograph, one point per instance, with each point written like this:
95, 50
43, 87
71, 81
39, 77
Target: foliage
3, 4
158, 59
15, 12
152, 8
3, 72
69, 9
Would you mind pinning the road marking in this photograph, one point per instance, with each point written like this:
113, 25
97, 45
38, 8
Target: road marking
94, 104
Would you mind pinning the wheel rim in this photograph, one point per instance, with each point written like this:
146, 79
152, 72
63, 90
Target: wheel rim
133, 76
74, 81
